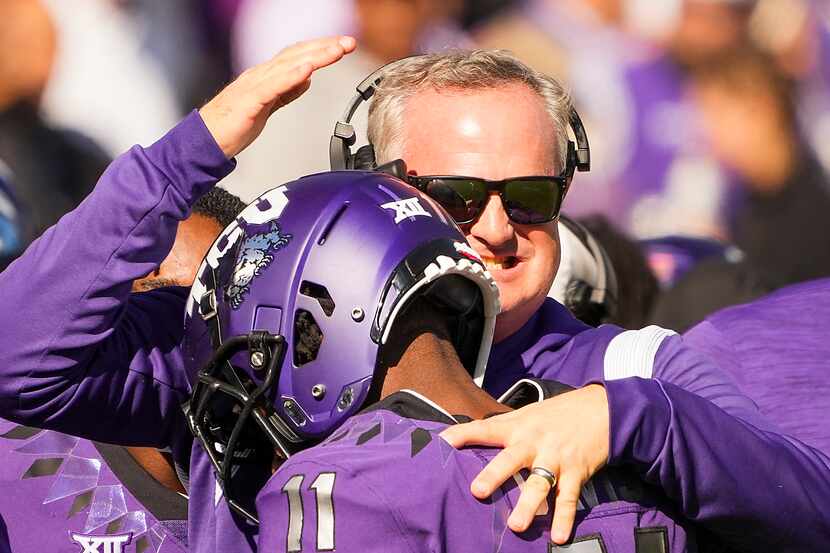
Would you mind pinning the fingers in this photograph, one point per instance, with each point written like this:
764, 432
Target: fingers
501, 467
317, 53
487, 432
280, 86
237, 115
347, 43
292, 95
534, 491
567, 497
317, 57
283, 74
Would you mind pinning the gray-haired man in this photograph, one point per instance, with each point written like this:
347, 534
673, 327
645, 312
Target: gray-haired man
485, 114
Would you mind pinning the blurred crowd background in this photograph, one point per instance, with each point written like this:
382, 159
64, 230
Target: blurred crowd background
709, 120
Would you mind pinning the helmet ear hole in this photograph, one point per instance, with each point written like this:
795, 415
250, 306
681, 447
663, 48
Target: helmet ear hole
307, 338
319, 293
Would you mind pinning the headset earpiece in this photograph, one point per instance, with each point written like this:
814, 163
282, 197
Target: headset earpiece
591, 295
364, 159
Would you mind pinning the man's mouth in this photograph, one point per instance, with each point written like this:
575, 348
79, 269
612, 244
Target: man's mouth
500, 263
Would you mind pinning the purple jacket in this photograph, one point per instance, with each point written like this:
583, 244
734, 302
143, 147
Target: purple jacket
683, 424
778, 350
83, 356
385, 482
86, 357
60, 492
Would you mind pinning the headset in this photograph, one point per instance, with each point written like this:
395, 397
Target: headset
343, 138
586, 282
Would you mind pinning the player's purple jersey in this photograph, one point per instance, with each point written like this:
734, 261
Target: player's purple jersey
64, 494
778, 350
81, 355
387, 482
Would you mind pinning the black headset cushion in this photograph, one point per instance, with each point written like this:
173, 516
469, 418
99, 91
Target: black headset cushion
364, 158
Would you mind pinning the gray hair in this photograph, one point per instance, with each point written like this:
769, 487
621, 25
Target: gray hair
460, 70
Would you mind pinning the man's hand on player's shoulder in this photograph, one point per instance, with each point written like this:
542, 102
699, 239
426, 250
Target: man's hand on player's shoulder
567, 435
237, 115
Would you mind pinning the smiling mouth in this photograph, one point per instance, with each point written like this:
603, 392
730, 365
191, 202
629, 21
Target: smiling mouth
501, 263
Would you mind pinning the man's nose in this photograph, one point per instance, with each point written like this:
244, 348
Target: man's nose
493, 227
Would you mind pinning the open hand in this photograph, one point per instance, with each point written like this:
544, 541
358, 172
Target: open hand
567, 435
237, 115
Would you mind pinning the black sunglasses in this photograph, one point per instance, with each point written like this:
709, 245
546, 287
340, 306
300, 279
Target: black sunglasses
527, 200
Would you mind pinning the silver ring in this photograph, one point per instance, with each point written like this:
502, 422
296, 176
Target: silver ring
546, 474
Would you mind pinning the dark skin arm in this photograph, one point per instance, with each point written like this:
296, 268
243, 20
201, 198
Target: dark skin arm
158, 465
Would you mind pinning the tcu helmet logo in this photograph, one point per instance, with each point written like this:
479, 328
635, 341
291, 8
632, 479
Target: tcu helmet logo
93, 544
256, 254
410, 207
268, 208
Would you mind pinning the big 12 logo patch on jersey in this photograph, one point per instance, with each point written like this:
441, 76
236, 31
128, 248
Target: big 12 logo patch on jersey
101, 544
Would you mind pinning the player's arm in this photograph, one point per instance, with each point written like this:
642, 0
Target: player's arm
76, 353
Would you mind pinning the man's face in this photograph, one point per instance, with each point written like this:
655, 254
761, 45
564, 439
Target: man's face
193, 239
493, 134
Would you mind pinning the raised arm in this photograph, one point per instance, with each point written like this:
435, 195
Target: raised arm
77, 352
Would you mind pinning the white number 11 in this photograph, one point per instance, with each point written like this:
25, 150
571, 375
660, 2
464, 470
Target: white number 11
323, 486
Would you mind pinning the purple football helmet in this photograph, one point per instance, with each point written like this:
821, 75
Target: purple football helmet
294, 299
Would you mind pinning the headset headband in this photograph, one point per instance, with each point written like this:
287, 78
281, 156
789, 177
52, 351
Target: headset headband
343, 137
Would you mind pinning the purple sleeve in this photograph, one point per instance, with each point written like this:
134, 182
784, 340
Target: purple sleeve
751, 486
677, 362
78, 353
